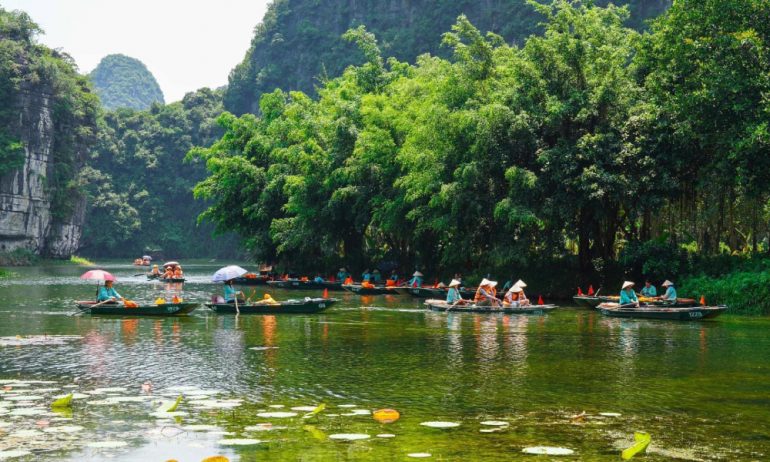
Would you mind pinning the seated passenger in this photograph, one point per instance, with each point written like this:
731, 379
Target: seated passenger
515, 297
231, 293
267, 299
318, 279
628, 296
108, 293
453, 296
485, 294
649, 290
416, 280
670, 295
367, 285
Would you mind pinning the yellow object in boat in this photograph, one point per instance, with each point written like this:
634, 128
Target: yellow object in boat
160, 301
386, 415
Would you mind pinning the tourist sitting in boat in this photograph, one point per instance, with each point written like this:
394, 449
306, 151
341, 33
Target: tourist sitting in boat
628, 296
649, 290
366, 275
267, 299
416, 280
486, 295
231, 293
453, 296
155, 271
318, 279
108, 293
376, 276
342, 274
367, 285
670, 295
515, 297
178, 274
348, 281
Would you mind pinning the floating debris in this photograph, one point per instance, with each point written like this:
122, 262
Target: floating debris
439, 424
610, 414
386, 415
239, 442
641, 441
37, 340
277, 415
419, 455
349, 436
548, 451
495, 423
304, 408
107, 444
386, 435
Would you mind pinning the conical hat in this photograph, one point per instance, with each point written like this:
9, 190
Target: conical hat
520, 283
417, 274
627, 284
454, 283
492, 283
667, 283
516, 289
441, 285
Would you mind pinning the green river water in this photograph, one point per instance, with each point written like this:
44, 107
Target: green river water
701, 389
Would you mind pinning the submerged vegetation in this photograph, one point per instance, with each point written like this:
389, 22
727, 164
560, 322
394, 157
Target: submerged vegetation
587, 147
81, 261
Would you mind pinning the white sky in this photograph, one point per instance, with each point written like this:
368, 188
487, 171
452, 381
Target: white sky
186, 44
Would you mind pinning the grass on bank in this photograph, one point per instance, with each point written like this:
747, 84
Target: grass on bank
745, 292
81, 261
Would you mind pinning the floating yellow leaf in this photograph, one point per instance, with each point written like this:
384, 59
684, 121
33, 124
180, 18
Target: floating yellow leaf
315, 411
63, 402
642, 440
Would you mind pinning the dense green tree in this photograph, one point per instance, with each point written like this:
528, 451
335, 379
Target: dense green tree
125, 82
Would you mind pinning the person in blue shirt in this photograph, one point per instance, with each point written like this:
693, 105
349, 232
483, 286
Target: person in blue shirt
366, 275
108, 293
649, 290
376, 277
628, 296
393, 277
318, 278
342, 274
231, 292
416, 280
453, 296
670, 295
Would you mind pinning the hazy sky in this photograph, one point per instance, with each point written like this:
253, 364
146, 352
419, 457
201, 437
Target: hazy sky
186, 44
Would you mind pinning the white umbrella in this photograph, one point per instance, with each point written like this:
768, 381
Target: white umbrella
227, 273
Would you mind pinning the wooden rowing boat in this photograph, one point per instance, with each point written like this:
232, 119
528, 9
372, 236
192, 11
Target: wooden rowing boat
306, 306
673, 313
376, 290
253, 281
432, 292
296, 284
587, 301
117, 309
441, 305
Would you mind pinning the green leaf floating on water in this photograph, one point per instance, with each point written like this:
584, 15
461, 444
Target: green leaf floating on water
63, 402
170, 406
642, 440
315, 411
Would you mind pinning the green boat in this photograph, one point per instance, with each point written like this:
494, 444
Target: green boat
117, 309
171, 280
588, 301
377, 290
297, 284
693, 313
441, 305
306, 306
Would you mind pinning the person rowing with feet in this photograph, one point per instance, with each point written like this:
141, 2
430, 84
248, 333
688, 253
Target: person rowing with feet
628, 297
485, 294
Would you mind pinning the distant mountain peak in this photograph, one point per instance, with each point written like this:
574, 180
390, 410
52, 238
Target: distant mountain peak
125, 82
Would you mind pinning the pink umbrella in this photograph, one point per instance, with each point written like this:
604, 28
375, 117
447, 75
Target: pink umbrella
98, 275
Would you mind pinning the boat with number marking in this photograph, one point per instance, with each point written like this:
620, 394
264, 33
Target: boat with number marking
118, 309
441, 305
376, 290
306, 306
672, 313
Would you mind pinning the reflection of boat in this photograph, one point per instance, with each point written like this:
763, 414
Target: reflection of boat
306, 306
298, 284
441, 305
692, 313
117, 309
376, 290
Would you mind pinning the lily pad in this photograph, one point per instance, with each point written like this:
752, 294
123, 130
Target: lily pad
102, 391
439, 424
548, 450
107, 444
495, 423
28, 412
26, 434
63, 429
239, 442
13, 453
303, 408
25, 398
277, 415
277, 406
200, 428
349, 436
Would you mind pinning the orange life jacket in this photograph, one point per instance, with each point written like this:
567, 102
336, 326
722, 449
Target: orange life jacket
349, 280
479, 297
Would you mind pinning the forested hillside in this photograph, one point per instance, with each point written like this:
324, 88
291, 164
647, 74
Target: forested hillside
298, 43
592, 147
140, 188
125, 82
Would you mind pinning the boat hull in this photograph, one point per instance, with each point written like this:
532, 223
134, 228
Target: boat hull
357, 289
695, 313
168, 309
257, 281
587, 301
293, 284
440, 305
289, 307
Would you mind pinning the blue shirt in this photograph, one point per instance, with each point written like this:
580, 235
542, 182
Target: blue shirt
342, 275
318, 279
453, 295
670, 294
366, 276
628, 296
649, 291
230, 292
393, 277
107, 293
415, 281
376, 277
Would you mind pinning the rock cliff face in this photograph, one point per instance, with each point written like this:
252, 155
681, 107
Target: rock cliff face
27, 218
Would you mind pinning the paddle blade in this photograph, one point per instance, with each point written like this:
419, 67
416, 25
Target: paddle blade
642, 440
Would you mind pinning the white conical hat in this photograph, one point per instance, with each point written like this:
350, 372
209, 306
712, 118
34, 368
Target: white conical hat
627, 284
520, 283
417, 274
667, 283
516, 289
492, 283
440, 285
454, 283
484, 282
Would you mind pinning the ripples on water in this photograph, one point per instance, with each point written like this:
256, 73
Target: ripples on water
684, 383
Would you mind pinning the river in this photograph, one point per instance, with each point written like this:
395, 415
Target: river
701, 389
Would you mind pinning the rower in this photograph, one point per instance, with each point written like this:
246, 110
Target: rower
453, 296
485, 294
670, 295
169, 274
342, 274
155, 271
178, 274
108, 293
649, 290
231, 293
416, 280
318, 279
628, 296
366, 275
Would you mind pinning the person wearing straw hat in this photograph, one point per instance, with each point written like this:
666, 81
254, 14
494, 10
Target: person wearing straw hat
670, 295
108, 293
515, 297
416, 280
453, 296
485, 294
628, 296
